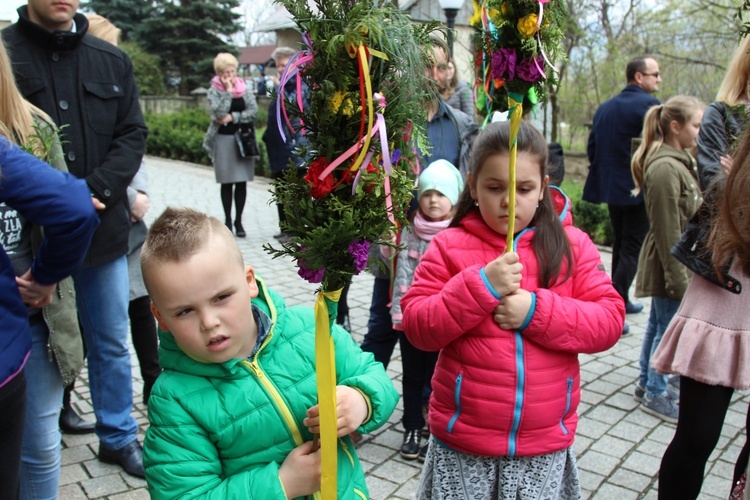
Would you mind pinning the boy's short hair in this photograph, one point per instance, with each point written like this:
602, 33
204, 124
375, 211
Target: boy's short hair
179, 233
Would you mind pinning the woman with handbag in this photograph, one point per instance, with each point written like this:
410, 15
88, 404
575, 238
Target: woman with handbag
708, 340
233, 112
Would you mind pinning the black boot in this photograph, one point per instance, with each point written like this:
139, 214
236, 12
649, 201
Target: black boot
410, 447
240, 231
70, 421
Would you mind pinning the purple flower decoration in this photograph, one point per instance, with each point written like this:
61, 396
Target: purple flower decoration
358, 250
311, 275
528, 71
304, 272
504, 64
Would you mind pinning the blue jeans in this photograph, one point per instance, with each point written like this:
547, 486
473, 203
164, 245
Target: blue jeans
102, 297
662, 310
40, 461
380, 338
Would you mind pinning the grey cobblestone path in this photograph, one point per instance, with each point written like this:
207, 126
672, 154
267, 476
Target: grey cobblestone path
618, 447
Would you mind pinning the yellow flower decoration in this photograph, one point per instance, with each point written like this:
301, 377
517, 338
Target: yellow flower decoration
496, 16
476, 17
336, 101
527, 25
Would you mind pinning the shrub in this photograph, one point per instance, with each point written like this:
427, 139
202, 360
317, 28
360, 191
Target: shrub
179, 136
592, 218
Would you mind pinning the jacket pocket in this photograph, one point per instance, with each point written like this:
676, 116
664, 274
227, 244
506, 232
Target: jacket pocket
568, 395
457, 402
30, 86
101, 100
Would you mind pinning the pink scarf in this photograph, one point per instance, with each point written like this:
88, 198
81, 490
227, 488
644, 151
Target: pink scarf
427, 229
237, 91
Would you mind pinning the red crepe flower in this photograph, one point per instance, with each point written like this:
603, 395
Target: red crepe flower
319, 188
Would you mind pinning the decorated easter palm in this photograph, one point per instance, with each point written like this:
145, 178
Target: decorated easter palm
516, 41
364, 64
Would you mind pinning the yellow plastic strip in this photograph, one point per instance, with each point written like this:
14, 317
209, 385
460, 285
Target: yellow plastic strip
515, 110
326, 379
365, 67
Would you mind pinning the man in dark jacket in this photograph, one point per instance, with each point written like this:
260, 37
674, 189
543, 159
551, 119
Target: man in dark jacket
87, 86
617, 123
280, 152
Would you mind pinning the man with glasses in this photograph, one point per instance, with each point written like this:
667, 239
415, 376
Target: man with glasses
618, 123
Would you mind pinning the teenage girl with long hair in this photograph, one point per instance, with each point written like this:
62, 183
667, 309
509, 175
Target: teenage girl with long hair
665, 172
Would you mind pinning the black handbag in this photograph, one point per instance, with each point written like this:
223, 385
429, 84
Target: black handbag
246, 141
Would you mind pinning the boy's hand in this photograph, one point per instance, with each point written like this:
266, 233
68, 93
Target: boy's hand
504, 273
513, 309
351, 410
300, 472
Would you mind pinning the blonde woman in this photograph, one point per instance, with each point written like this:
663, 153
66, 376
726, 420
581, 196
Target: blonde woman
232, 104
54, 360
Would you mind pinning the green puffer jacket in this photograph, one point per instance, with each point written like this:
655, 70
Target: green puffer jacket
222, 430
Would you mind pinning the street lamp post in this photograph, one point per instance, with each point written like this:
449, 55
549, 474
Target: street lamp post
451, 8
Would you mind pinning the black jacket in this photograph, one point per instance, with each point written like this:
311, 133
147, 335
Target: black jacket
720, 128
87, 86
279, 151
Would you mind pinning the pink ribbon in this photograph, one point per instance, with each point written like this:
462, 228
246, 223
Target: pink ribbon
298, 59
349, 152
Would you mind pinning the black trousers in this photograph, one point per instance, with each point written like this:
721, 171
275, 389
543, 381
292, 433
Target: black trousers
418, 367
12, 414
380, 338
702, 411
630, 225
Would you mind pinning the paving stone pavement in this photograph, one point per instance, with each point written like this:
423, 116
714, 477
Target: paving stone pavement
618, 447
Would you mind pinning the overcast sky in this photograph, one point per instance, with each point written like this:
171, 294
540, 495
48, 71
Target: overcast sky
8, 9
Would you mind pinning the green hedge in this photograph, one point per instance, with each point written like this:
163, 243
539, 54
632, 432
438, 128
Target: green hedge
179, 136
592, 218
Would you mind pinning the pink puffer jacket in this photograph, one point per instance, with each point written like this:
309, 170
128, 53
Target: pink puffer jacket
499, 392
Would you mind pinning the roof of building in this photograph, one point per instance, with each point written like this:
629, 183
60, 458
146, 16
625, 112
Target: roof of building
260, 55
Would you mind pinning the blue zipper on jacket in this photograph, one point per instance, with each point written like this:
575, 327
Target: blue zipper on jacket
457, 400
520, 379
567, 405
520, 365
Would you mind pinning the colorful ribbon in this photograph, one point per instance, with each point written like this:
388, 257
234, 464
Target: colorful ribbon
325, 371
291, 69
515, 111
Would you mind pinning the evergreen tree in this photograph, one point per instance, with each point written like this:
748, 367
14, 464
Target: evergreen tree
187, 35
125, 14
147, 70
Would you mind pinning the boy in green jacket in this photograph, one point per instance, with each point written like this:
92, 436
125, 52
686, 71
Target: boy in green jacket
234, 412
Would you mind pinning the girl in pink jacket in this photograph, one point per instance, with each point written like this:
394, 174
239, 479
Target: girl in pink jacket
509, 327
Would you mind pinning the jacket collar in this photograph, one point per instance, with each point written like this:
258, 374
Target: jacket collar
474, 224
57, 40
666, 151
634, 88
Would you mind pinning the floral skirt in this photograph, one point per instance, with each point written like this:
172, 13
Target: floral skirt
449, 474
708, 338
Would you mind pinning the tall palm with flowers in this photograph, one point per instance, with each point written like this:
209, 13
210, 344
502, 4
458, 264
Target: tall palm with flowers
515, 44
365, 67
